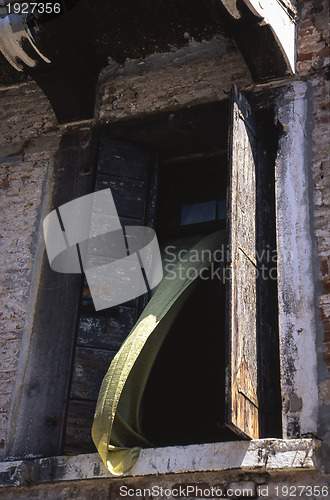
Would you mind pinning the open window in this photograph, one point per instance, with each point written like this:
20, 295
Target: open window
217, 339
134, 157
222, 352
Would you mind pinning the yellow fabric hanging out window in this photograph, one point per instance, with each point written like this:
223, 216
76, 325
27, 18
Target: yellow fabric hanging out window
116, 429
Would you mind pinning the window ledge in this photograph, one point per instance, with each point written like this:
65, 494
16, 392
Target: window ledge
261, 455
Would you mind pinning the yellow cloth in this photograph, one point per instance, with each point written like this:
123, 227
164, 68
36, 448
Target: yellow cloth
116, 429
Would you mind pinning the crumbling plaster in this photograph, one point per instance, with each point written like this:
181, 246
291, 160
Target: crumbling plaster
296, 275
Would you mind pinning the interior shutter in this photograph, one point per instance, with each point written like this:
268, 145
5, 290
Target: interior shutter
130, 171
242, 412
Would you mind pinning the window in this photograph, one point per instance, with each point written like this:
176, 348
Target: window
38, 430
191, 202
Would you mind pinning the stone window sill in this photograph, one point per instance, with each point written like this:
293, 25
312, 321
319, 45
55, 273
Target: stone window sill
259, 455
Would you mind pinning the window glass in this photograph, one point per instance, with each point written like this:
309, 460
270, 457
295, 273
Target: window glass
198, 212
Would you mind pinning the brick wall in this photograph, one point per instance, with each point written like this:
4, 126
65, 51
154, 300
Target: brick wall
27, 141
25, 113
196, 74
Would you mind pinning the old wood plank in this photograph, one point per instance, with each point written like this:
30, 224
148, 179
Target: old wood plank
123, 159
90, 366
129, 172
242, 413
107, 331
79, 421
129, 194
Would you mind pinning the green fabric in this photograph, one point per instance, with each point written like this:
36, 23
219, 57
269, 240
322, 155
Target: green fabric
116, 429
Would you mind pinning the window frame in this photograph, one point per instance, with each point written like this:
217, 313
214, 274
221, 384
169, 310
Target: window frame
296, 281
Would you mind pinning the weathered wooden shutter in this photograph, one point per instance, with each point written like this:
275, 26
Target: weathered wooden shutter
242, 413
130, 172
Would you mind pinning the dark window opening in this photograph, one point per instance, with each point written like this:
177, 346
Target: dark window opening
184, 398
192, 196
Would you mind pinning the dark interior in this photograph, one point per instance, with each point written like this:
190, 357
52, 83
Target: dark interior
199, 131
185, 395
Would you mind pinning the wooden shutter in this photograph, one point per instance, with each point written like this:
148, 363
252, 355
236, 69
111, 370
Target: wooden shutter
242, 413
130, 172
